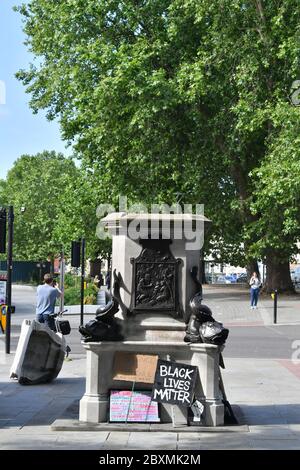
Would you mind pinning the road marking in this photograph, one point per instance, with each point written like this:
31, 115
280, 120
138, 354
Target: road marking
275, 330
288, 364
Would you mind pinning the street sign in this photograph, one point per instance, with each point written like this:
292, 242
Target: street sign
3, 275
3, 318
56, 265
2, 291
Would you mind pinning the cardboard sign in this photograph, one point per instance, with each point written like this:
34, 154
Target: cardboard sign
174, 383
133, 367
130, 406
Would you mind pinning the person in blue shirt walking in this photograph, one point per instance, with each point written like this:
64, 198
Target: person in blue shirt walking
254, 289
47, 294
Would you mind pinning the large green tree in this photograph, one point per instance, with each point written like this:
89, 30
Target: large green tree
34, 186
162, 97
59, 204
78, 214
276, 198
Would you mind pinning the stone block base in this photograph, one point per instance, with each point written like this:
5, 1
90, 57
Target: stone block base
94, 404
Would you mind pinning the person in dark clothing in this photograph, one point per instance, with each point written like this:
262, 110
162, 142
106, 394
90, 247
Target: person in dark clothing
98, 281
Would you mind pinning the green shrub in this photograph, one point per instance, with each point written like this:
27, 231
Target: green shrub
71, 280
72, 295
90, 300
91, 289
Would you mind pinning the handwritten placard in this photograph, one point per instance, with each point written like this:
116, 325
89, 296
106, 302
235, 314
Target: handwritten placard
174, 383
131, 406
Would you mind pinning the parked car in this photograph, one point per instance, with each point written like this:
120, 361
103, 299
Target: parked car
295, 275
230, 278
224, 279
220, 279
208, 278
242, 278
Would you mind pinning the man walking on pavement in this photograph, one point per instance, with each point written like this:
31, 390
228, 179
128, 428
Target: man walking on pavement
47, 294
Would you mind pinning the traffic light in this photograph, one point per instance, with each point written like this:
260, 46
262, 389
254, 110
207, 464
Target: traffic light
2, 230
75, 254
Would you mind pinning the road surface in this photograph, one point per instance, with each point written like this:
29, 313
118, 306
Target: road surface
269, 341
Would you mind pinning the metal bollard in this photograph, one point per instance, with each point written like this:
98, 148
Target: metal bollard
274, 297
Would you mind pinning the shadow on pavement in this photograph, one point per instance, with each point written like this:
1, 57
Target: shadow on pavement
283, 414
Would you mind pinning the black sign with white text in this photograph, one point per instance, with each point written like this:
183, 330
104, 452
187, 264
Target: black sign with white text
174, 383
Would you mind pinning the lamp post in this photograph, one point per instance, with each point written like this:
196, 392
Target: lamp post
62, 279
77, 260
82, 280
275, 297
10, 234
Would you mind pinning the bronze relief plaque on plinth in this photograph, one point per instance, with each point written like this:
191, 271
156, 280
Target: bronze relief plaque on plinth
155, 279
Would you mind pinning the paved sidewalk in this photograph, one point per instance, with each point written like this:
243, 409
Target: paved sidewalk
231, 304
267, 392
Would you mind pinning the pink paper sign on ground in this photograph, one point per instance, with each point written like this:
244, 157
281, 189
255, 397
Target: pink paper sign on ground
141, 410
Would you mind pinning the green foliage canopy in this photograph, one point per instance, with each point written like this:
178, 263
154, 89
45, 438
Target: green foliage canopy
60, 204
161, 97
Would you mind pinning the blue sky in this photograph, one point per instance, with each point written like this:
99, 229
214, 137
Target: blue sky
20, 130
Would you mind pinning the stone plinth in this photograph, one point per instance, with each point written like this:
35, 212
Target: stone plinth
178, 228
154, 286
156, 327
94, 405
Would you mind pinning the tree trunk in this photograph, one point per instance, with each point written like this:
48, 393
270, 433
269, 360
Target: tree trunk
202, 276
278, 276
109, 262
252, 267
52, 265
95, 267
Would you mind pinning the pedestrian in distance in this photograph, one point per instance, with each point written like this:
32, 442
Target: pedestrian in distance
254, 289
101, 281
97, 281
47, 294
